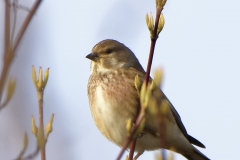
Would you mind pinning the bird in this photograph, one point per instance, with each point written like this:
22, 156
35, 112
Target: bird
113, 99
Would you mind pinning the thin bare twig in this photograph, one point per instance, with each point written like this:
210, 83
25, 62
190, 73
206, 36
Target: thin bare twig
6, 47
133, 144
150, 58
15, 5
40, 84
132, 148
153, 42
132, 139
30, 156
10, 48
9, 53
40, 105
25, 24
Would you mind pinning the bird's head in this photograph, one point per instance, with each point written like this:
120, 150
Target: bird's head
109, 55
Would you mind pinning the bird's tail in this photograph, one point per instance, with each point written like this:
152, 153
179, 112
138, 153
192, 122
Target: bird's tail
196, 155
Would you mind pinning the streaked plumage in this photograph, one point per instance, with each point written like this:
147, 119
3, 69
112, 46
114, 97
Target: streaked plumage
113, 99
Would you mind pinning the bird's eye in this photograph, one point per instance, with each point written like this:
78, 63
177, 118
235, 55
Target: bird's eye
108, 51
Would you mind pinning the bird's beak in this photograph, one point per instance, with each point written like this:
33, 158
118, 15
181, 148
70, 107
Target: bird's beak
92, 56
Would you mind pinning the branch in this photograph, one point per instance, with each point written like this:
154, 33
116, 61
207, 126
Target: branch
153, 43
6, 47
154, 36
130, 138
25, 24
151, 52
9, 48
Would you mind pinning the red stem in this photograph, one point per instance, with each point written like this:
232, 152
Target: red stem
132, 148
130, 138
133, 144
138, 119
152, 47
150, 58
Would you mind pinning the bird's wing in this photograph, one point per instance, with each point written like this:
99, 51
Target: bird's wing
175, 115
181, 126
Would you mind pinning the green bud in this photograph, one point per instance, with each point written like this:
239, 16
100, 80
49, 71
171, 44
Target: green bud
160, 24
34, 128
129, 127
49, 126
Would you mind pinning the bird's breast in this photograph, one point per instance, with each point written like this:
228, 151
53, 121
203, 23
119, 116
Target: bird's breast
113, 100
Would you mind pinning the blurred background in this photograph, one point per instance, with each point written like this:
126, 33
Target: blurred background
198, 49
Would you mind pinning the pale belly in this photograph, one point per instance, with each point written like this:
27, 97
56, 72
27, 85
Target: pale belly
110, 115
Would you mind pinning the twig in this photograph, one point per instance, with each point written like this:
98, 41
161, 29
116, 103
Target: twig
130, 138
151, 52
9, 48
41, 125
153, 42
132, 148
30, 156
25, 24
9, 53
40, 84
133, 144
15, 4
6, 47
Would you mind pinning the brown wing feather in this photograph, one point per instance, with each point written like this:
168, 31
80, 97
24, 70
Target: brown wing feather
176, 117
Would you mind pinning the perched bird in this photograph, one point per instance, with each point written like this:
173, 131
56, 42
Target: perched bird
114, 99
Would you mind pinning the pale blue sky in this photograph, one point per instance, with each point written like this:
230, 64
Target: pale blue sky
198, 50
